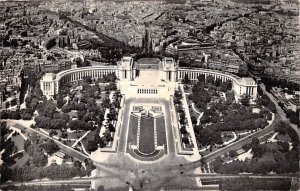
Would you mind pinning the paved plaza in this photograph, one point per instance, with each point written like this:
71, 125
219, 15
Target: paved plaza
125, 165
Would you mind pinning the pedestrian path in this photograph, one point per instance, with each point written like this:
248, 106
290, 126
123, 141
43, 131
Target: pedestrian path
200, 113
78, 140
83, 149
190, 128
16, 130
231, 140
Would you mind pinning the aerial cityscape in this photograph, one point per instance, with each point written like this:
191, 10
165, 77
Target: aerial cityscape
149, 95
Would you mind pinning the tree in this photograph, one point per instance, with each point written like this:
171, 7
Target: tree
112, 116
52, 132
226, 86
243, 70
218, 82
80, 106
50, 147
283, 146
111, 86
4, 115
194, 119
26, 116
106, 103
201, 105
60, 101
34, 103
87, 79
77, 164
77, 124
182, 121
210, 79
50, 43
205, 118
183, 130
264, 166
245, 101
185, 139
229, 96
247, 183
198, 128
294, 118
27, 143
15, 115
281, 127
201, 78
112, 77
89, 166
186, 79
57, 124
208, 136
66, 108
215, 118
100, 188
47, 109
257, 149
111, 128
201, 96
255, 141
6, 173
39, 159
217, 163
232, 153
43, 122
92, 146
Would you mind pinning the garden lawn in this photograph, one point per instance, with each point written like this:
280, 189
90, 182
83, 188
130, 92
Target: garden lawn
132, 130
75, 135
146, 140
20, 162
89, 137
228, 137
161, 132
285, 137
18, 141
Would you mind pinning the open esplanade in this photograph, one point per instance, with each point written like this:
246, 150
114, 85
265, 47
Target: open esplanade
147, 142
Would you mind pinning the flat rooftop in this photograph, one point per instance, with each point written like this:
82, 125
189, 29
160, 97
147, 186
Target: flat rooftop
48, 77
146, 61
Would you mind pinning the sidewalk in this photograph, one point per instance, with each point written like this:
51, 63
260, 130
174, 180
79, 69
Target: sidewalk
190, 128
200, 113
19, 131
231, 140
79, 140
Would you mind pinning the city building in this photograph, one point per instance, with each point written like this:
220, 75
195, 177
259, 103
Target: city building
156, 77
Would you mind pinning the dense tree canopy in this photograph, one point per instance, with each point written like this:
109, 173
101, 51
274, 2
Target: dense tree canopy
50, 147
38, 188
246, 183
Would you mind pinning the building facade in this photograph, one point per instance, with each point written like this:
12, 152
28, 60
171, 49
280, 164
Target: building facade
146, 80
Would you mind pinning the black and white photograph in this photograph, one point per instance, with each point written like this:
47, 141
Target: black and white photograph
149, 95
